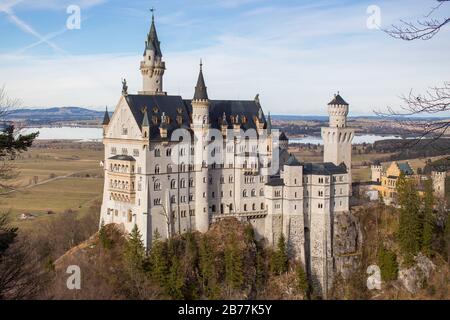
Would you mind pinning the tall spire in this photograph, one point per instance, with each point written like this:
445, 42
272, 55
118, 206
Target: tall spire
269, 124
152, 42
200, 88
106, 117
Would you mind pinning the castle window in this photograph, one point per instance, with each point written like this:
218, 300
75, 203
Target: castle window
183, 213
173, 184
230, 179
124, 151
320, 193
157, 185
157, 153
245, 207
222, 180
213, 195
277, 193
183, 183
231, 207
204, 194
320, 180
192, 212
130, 216
157, 201
173, 199
261, 192
295, 195
320, 205
253, 193
169, 168
157, 169
182, 167
191, 197
295, 181
124, 131
254, 207
136, 152
231, 193
113, 150
262, 206
244, 193
213, 208
168, 152
191, 182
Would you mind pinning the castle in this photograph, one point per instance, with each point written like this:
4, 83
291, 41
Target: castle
384, 181
174, 165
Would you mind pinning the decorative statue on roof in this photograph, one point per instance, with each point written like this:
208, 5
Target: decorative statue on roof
124, 87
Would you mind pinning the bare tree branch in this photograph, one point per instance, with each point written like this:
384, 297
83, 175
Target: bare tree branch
421, 29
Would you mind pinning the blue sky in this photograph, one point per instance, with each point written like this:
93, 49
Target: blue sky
295, 54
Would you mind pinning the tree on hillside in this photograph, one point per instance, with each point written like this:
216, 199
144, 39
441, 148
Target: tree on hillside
175, 279
134, 254
159, 262
428, 217
234, 272
410, 226
302, 280
11, 141
208, 273
436, 99
387, 261
279, 263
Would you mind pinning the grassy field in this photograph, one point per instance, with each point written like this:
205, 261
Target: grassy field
56, 179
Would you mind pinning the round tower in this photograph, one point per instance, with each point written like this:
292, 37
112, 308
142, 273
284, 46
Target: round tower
200, 126
438, 179
152, 66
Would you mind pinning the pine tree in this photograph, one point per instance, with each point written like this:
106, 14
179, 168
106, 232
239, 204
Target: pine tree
105, 241
207, 270
7, 233
134, 253
387, 261
279, 263
234, 273
428, 218
260, 270
159, 262
175, 279
410, 226
302, 280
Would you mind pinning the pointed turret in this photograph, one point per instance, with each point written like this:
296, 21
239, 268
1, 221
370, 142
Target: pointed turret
200, 89
145, 123
106, 118
153, 42
269, 124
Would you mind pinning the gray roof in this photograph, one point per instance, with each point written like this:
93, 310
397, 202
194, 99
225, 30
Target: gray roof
338, 100
174, 106
200, 88
324, 169
275, 182
292, 161
405, 168
283, 137
122, 157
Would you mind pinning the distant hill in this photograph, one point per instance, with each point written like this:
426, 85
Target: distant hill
54, 115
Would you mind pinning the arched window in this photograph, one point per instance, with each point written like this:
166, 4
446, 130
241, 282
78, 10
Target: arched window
245, 207
231, 207
183, 183
157, 152
262, 206
254, 207
191, 182
173, 184
168, 152
169, 168
182, 167
253, 193
261, 192
157, 169
157, 185
173, 199
244, 193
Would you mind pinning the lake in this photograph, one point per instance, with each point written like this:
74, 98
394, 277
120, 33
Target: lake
90, 134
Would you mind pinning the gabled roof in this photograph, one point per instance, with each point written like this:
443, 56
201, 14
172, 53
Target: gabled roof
405, 168
292, 161
324, 169
338, 100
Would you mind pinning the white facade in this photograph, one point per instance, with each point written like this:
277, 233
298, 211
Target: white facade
169, 187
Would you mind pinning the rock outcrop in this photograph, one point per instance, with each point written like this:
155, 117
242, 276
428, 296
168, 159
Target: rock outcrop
416, 276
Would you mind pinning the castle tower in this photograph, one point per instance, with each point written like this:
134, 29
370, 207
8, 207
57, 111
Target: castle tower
200, 126
152, 67
337, 137
376, 170
438, 179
